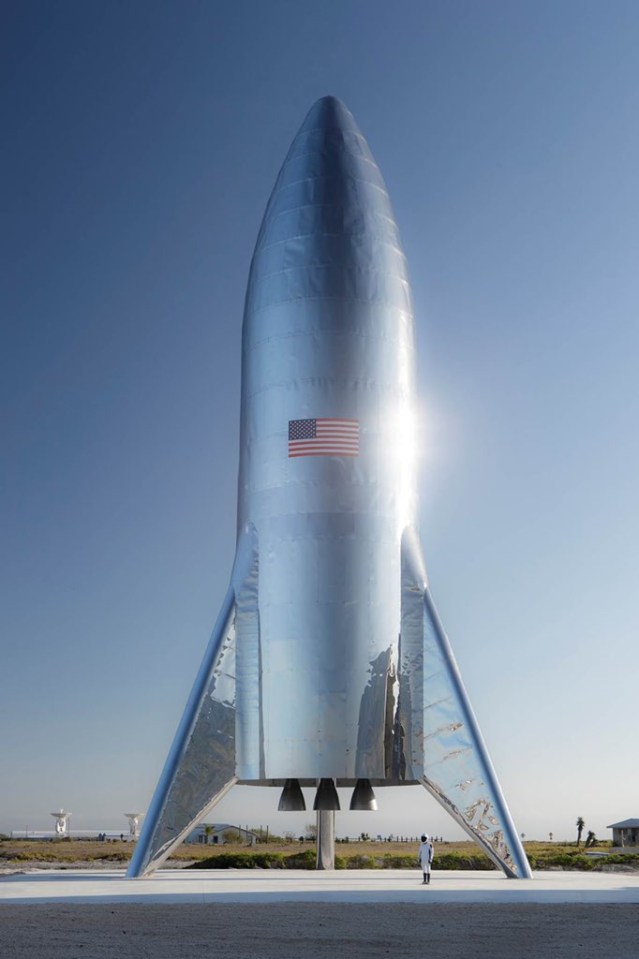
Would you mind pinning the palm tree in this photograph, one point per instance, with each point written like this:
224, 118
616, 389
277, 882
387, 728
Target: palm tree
580, 829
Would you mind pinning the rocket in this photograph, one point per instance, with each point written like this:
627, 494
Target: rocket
328, 665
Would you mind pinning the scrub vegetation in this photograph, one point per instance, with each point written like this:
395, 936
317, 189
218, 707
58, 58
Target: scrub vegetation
281, 853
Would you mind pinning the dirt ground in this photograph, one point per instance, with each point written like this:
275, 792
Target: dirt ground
318, 931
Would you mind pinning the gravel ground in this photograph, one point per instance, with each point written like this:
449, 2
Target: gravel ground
318, 931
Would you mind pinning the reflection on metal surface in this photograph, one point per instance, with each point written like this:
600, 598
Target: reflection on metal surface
377, 718
292, 798
363, 797
328, 661
326, 796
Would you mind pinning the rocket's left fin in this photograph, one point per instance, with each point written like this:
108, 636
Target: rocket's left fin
200, 767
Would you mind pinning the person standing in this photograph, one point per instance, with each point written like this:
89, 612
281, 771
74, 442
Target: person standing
425, 858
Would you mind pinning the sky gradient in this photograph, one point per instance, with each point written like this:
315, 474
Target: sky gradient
142, 140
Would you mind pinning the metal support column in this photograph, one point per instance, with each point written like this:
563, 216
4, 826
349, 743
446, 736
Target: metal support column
325, 839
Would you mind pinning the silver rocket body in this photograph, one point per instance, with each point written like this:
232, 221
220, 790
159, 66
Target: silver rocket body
328, 334
328, 660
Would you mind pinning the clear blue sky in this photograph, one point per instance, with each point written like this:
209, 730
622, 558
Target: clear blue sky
141, 142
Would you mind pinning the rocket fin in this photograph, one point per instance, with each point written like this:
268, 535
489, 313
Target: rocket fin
202, 762
200, 767
443, 745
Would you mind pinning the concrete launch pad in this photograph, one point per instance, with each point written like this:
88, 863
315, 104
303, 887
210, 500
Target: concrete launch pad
373, 914
301, 886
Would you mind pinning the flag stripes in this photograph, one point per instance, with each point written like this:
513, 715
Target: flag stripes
323, 437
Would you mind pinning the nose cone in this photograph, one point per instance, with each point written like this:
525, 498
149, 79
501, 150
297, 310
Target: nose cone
329, 113
328, 230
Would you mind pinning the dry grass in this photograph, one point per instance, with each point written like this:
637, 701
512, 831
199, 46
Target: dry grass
66, 851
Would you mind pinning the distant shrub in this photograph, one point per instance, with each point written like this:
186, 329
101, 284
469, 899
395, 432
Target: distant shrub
301, 860
631, 860
257, 860
306, 859
451, 860
390, 861
241, 860
361, 862
566, 861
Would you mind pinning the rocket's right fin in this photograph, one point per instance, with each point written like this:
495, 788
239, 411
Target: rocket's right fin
443, 746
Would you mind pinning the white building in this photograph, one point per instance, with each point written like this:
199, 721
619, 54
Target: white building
625, 835
214, 834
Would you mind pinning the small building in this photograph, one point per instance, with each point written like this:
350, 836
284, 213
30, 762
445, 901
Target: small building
214, 834
625, 835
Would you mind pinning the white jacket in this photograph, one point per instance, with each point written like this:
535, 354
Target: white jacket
425, 855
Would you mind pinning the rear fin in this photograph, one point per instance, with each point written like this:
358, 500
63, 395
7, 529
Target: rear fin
443, 745
202, 762
200, 767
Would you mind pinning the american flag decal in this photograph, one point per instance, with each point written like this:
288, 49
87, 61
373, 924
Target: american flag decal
323, 437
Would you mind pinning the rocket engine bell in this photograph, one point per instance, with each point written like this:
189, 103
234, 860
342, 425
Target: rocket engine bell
328, 663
